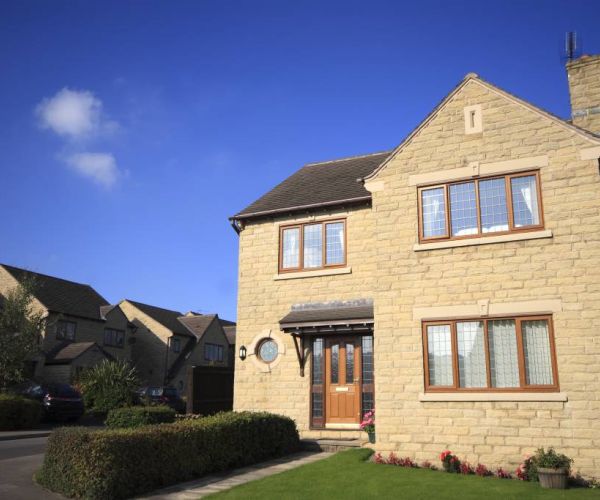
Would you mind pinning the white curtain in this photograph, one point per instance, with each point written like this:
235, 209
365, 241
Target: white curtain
439, 346
528, 190
536, 344
471, 354
504, 364
291, 252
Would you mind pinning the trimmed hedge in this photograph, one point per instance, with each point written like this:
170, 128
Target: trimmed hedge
136, 416
121, 463
17, 412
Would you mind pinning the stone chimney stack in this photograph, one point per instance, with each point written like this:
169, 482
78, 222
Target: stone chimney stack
584, 88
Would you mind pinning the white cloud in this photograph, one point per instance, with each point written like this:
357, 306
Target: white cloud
100, 167
74, 114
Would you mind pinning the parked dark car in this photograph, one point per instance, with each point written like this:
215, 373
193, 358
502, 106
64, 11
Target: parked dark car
163, 396
60, 401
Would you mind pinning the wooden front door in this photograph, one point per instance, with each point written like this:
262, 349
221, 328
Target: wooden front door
342, 381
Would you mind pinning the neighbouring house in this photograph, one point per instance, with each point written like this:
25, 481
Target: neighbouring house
169, 342
81, 327
453, 283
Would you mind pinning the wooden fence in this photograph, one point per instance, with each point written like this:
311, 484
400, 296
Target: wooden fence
209, 389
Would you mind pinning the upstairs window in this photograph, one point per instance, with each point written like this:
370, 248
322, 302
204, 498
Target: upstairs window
310, 246
175, 344
500, 354
65, 330
213, 352
114, 338
505, 204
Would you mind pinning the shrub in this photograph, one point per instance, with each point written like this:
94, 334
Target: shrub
109, 385
121, 463
482, 471
465, 468
502, 474
551, 460
17, 412
136, 416
450, 462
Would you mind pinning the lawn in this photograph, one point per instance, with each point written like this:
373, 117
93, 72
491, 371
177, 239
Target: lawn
348, 475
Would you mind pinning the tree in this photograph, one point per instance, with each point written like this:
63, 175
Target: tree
20, 332
108, 385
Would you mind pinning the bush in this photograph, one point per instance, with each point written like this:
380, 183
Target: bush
136, 416
108, 385
121, 463
17, 412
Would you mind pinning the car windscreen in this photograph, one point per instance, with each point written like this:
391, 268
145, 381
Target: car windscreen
62, 391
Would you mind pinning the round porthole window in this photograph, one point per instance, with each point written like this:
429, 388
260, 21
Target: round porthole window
267, 350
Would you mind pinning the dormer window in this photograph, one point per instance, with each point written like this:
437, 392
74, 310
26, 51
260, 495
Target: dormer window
312, 246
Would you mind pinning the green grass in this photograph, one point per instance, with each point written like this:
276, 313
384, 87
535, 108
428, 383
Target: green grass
347, 475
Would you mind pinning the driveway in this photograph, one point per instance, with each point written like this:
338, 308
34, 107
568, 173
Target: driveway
19, 459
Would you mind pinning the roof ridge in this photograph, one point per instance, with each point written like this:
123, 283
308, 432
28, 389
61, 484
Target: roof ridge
46, 275
135, 302
348, 158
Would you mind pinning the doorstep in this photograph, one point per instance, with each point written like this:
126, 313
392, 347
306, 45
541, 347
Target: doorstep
331, 445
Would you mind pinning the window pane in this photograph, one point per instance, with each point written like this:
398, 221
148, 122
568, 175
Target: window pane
335, 352
434, 212
334, 234
439, 347
525, 201
291, 248
463, 209
367, 402
349, 363
471, 354
367, 359
317, 404
317, 367
536, 344
504, 365
492, 202
313, 245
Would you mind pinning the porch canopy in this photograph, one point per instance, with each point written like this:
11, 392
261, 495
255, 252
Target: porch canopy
327, 318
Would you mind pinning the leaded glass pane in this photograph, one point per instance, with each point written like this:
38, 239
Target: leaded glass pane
367, 402
536, 344
434, 212
367, 359
463, 209
525, 201
313, 245
439, 347
349, 363
317, 371
335, 355
317, 404
504, 364
492, 203
291, 248
334, 234
471, 354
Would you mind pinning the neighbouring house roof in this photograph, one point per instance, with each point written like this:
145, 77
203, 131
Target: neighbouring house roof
316, 185
329, 312
166, 317
198, 324
104, 310
67, 352
62, 296
230, 334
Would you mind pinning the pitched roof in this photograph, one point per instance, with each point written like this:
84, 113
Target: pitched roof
66, 352
166, 317
316, 185
198, 324
59, 295
230, 333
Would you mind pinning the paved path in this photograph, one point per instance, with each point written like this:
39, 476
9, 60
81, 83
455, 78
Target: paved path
216, 483
19, 459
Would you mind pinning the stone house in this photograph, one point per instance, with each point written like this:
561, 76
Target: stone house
453, 283
82, 328
169, 342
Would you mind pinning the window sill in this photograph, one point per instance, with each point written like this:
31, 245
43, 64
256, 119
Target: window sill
484, 240
492, 396
311, 274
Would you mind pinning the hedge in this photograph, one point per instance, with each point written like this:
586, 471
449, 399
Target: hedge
17, 412
136, 416
121, 463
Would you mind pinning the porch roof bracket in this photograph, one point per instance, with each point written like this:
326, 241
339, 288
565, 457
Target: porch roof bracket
299, 345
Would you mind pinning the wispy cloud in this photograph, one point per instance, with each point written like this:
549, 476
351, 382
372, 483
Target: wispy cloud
78, 117
100, 167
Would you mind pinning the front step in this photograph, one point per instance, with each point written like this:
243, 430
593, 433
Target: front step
330, 445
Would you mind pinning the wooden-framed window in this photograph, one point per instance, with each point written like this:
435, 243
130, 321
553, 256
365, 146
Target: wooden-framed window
497, 354
65, 330
114, 338
213, 352
480, 207
175, 344
312, 245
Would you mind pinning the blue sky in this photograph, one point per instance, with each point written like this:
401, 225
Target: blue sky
130, 131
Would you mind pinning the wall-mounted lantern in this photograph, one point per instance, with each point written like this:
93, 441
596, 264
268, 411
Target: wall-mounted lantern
242, 352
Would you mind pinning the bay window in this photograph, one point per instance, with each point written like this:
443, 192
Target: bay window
313, 245
500, 354
486, 206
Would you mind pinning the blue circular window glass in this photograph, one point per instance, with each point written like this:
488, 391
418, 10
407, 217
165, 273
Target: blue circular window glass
267, 351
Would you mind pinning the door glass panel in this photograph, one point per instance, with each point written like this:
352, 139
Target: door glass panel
504, 364
439, 347
367, 360
335, 355
317, 404
471, 354
317, 371
536, 344
492, 203
349, 363
367, 402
